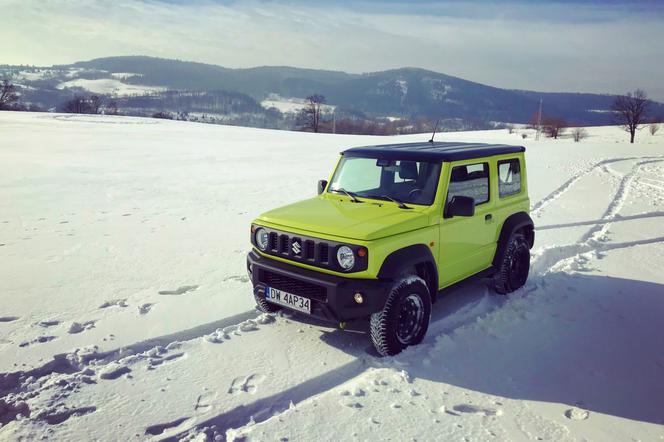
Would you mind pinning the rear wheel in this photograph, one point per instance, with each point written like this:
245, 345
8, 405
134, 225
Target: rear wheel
404, 319
514, 267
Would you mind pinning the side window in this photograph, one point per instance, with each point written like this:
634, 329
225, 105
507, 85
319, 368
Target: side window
509, 177
471, 180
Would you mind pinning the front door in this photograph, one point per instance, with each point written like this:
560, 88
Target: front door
467, 244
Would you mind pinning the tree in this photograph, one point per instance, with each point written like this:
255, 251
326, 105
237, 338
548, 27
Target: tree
654, 125
111, 108
309, 117
164, 115
95, 102
77, 105
553, 126
630, 111
8, 95
579, 133
510, 128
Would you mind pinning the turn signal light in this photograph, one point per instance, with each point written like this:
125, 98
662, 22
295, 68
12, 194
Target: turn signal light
361, 252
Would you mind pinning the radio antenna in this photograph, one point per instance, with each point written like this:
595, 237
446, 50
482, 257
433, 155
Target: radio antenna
434, 131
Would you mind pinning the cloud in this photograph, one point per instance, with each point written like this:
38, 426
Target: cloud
572, 46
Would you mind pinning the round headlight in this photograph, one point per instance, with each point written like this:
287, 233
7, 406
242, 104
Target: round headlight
345, 257
261, 238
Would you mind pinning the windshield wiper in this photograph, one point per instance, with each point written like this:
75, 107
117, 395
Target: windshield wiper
394, 200
350, 195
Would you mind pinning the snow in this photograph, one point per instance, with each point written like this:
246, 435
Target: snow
126, 308
110, 86
124, 75
291, 105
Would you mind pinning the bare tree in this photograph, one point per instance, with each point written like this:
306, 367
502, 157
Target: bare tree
553, 126
631, 110
164, 115
310, 116
95, 102
77, 105
8, 95
510, 128
579, 133
111, 108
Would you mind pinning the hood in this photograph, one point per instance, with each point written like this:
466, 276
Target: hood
341, 217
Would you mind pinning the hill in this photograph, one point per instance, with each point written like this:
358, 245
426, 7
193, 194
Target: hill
409, 93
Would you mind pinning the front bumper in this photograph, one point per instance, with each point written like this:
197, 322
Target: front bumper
331, 296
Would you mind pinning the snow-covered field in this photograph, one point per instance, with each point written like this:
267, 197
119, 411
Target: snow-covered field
125, 311
291, 105
111, 86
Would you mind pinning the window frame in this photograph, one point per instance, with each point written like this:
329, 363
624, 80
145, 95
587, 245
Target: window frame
487, 167
507, 161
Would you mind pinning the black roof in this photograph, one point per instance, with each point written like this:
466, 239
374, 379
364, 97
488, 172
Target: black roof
434, 152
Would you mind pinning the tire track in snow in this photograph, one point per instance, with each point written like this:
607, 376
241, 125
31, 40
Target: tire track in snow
462, 310
538, 207
594, 239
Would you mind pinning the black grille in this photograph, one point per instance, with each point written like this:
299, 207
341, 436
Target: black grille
323, 253
294, 286
272, 241
309, 250
317, 252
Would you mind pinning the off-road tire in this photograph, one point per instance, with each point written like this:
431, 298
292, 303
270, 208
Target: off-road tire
384, 328
264, 306
514, 266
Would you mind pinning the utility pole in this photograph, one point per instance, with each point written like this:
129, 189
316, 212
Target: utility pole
539, 122
334, 121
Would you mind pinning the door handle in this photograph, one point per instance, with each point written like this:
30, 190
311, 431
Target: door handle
487, 217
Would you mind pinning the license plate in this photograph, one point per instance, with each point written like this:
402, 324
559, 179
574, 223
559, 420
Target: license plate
290, 300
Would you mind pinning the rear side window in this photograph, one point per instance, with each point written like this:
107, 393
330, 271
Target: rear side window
509, 177
470, 180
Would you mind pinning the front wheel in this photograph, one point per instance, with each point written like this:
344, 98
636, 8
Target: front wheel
404, 319
263, 305
514, 267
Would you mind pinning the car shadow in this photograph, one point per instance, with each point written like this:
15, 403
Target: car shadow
584, 340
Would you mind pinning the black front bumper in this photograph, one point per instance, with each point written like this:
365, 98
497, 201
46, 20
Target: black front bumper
332, 297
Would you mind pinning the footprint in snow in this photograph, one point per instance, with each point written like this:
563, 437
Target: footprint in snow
179, 291
38, 340
203, 402
78, 327
56, 418
240, 278
474, 409
48, 323
8, 318
145, 308
247, 384
114, 372
115, 303
577, 414
156, 430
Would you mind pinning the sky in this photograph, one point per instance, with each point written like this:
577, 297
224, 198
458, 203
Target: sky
568, 45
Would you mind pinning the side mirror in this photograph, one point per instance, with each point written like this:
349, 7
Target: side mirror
322, 184
460, 206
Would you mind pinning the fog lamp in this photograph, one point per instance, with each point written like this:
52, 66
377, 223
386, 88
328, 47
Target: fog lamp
358, 298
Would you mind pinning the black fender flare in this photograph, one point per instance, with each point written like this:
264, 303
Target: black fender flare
514, 222
411, 256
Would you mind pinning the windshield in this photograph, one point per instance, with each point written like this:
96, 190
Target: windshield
412, 182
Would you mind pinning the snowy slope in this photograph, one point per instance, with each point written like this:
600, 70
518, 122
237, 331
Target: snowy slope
126, 312
110, 86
